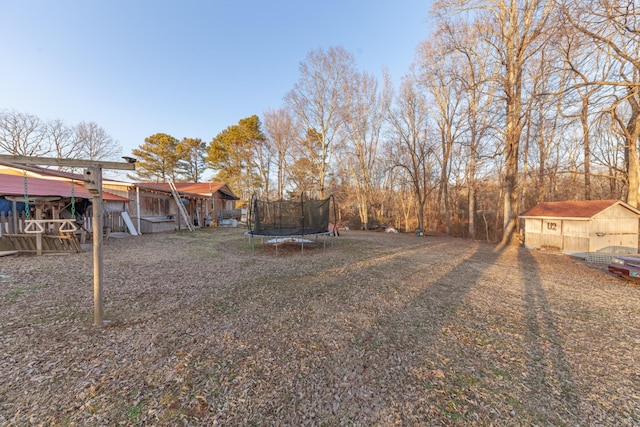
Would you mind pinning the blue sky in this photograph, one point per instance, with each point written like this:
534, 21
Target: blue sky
187, 68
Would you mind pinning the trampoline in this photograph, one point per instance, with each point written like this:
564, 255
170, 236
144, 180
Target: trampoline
296, 221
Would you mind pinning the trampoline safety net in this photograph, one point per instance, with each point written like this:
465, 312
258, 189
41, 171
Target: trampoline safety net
290, 217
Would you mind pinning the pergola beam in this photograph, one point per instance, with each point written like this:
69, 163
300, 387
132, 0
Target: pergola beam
77, 163
93, 183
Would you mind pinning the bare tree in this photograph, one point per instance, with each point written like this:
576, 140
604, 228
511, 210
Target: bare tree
317, 98
61, 139
614, 29
609, 154
363, 116
476, 73
515, 29
439, 61
543, 122
280, 129
585, 67
411, 147
22, 134
263, 160
94, 143
305, 162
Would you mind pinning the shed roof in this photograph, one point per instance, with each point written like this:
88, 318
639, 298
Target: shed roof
575, 209
14, 185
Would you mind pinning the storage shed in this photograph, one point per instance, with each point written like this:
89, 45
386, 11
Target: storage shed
603, 226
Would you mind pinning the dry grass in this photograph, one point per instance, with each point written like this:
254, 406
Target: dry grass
378, 330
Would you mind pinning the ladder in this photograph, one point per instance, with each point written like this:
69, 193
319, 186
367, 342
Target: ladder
183, 211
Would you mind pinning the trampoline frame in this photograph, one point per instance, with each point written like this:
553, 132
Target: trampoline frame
293, 234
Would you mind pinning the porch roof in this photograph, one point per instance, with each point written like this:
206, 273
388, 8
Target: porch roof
193, 189
14, 185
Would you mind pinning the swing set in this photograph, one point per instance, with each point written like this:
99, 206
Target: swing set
65, 227
93, 183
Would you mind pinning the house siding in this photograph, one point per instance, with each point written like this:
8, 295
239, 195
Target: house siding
159, 212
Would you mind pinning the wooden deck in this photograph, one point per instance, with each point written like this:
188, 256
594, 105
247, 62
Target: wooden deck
50, 243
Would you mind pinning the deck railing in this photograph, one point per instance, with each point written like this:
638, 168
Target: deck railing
17, 225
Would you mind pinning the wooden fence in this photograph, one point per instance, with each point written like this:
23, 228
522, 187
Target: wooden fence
11, 225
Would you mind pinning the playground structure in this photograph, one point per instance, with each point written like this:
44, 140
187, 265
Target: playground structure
93, 183
295, 221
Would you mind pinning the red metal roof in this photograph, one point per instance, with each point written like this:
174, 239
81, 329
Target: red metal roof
575, 209
13, 185
195, 188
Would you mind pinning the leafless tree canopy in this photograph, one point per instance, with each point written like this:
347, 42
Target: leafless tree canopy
27, 135
507, 104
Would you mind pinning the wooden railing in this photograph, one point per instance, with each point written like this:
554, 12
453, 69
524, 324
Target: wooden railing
18, 225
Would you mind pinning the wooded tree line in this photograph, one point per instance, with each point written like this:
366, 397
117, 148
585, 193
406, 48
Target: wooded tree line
508, 103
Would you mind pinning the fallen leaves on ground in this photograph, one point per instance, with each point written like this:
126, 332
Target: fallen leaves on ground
371, 329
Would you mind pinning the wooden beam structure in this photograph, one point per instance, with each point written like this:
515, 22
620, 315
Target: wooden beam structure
93, 183
77, 163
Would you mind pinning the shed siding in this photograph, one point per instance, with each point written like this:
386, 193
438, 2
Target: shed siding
614, 226
575, 235
533, 233
615, 212
613, 230
615, 235
552, 233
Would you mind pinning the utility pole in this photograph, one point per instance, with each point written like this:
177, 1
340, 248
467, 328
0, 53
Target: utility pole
93, 183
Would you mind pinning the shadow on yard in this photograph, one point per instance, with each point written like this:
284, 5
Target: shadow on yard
549, 375
420, 342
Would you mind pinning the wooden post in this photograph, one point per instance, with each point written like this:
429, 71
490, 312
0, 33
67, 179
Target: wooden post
93, 176
93, 183
15, 216
39, 244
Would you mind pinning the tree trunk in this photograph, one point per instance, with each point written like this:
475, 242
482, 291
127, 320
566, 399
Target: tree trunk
471, 203
587, 148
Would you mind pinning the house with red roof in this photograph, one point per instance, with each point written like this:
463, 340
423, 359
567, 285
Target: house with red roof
590, 226
151, 206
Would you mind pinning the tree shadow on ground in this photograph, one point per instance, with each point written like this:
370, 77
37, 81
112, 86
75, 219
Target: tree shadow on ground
548, 374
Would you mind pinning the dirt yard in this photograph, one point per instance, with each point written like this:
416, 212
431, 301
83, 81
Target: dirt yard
379, 329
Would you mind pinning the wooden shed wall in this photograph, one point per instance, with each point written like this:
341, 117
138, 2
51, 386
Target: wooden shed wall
576, 235
614, 230
543, 233
532, 233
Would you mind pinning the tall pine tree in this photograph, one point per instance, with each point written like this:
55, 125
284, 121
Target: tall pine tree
157, 158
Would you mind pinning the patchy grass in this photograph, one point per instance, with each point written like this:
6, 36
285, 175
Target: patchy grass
376, 329
14, 293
